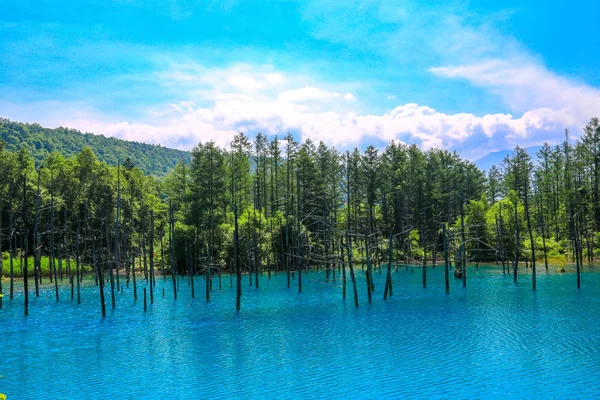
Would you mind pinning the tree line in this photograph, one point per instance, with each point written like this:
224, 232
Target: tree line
271, 204
41, 142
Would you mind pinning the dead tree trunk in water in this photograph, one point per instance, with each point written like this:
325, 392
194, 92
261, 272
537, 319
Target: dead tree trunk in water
256, 261
344, 283
388, 278
117, 261
1, 259
501, 244
534, 277
172, 250
287, 247
254, 245
110, 264
100, 276
369, 276
446, 269
350, 266
36, 251
543, 224
348, 241
236, 256
516, 266
152, 278
464, 247
25, 242
52, 248
576, 245
298, 237
77, 264
11, 228
132, 257
66, 243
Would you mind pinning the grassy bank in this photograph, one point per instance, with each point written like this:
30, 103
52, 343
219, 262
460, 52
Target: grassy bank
44, 265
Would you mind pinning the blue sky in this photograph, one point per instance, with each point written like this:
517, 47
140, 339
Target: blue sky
472, 76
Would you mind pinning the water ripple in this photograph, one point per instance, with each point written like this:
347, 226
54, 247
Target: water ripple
492, 339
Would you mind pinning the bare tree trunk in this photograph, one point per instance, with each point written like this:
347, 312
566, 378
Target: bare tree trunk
254, 244
574, 232
36, 253
172, 251
25, 242
1, 258
287, 248
132, 263
516, 266
534, 275
348, 241
66, 242
501, 230
368, 274
388, 278
52, 249
117, 261
464, 248
99, 271
351, 267
344, 283
108, 259
143, 250
236, 256
10, 244
498, 243
446, 270
162, 252
298, 237
152, 278
77, 264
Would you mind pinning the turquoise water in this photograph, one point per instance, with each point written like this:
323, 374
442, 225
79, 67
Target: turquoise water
490, 340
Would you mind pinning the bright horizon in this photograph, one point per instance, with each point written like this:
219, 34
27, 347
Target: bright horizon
468, 76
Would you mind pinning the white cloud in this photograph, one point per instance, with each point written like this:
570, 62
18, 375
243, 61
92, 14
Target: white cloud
548, 103
465, 45
349, 96
219, 103
309, 93
527, 85
183, 126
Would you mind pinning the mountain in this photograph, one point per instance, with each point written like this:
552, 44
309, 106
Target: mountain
496, 157
151, 159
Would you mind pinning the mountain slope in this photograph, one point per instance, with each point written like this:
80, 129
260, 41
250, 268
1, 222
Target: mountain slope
496, 157
152, 159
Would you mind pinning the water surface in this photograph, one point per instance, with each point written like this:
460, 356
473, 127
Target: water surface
492, 339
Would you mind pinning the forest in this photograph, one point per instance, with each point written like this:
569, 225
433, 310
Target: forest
272, 205
41, 142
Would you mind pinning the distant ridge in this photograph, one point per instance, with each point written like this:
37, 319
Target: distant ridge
496, 157
151, 159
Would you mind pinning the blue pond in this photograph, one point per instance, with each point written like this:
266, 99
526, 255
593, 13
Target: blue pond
493, 339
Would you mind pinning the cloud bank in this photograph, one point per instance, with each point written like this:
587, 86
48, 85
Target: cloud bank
191, 100
249, 99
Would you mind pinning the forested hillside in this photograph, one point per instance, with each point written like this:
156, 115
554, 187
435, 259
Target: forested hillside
151, 159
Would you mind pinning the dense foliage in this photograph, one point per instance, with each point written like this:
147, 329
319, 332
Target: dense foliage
41, 142
300, 204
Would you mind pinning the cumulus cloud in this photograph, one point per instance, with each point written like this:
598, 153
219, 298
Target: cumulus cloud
549, 103
177, 101
215, 104
260, 98
185, 124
